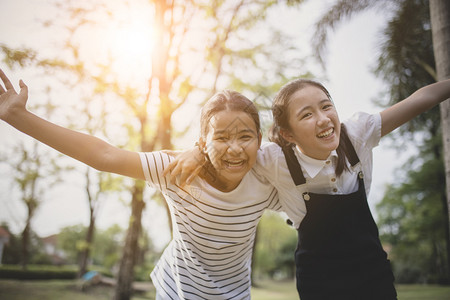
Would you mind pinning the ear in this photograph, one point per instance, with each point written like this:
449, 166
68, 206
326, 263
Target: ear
287, 135
202, 145
259, 139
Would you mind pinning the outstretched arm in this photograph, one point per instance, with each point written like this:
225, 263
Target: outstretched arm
85, 148
420, 101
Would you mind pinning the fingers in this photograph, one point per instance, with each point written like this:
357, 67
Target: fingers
193, 174
23, 89
8, 84
182, 179
169, 168
172, 170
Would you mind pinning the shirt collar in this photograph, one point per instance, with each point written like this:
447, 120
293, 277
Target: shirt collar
311, 165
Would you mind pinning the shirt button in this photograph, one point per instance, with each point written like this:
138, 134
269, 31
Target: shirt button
335, 190
328, 162
333, 179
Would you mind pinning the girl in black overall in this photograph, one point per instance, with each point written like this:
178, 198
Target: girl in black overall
339, 254
338, 245
322, 170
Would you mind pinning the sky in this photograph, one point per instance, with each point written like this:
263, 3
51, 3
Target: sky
352, 52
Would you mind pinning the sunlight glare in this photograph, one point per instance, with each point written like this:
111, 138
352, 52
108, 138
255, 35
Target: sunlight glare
131, 44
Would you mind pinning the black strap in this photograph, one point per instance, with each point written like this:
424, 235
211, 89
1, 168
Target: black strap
350, 151
293, 165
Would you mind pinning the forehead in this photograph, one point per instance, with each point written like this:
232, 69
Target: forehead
308, 95
231, 121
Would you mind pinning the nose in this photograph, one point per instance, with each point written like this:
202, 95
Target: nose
234, 147
322, 119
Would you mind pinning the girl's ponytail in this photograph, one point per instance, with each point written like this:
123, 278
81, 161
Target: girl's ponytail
274, 132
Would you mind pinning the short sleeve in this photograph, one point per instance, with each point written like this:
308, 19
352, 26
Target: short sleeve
365, 129
153, 165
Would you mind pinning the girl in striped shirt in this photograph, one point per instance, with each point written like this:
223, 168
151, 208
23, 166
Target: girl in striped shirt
214, 219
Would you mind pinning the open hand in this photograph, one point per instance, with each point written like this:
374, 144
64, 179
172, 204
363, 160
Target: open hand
185, 166
10, 101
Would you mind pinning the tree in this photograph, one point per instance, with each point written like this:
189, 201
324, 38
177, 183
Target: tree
274, 248
411, 219
30, 164
440, 26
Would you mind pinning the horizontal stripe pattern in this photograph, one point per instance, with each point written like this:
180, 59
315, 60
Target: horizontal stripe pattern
213, 234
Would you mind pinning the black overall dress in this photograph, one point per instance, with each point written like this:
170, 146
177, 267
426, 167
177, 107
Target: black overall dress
339, 254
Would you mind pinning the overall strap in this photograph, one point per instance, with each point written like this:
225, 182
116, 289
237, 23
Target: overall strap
293, 165
350, 151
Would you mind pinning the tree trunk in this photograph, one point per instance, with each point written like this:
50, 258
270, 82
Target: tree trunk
87, 251
84, 255
25, 243
440, 25
124, 287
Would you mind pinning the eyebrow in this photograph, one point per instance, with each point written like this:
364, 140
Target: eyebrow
240, 131
309, 106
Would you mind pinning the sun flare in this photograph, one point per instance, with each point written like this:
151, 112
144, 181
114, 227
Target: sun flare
130, 41
133, 40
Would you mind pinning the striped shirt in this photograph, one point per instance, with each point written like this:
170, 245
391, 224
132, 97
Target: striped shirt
210, 254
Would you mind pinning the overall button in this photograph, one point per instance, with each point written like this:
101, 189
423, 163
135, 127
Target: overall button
306, 196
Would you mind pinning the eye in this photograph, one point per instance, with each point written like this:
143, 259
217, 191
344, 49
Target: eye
327, 106
306, 115
220, 138
246, 137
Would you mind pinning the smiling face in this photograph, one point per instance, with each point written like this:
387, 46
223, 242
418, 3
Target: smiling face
231, 142
314, 124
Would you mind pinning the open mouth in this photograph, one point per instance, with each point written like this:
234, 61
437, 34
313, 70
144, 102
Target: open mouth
234, 163
326, 133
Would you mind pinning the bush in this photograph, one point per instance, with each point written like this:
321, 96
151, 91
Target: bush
38, 272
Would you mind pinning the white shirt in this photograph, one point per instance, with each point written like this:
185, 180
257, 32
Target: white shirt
364, 131
210, 254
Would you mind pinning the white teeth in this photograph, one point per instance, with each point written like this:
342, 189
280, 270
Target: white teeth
326, 133
234, 163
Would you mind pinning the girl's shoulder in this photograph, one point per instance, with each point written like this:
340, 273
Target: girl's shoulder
268, 157
364, 129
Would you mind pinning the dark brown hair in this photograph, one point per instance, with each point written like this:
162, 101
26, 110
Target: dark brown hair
226, 100
280, 112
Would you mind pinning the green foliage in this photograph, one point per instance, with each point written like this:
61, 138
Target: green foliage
38, 272
105, 250
13, 250
275, 246
68, 238
22, 57
413, 221
406, 62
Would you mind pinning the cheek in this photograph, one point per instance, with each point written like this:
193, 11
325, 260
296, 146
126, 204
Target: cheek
214, 151
252, 151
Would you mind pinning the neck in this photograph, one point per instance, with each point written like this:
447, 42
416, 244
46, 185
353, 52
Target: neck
213, 179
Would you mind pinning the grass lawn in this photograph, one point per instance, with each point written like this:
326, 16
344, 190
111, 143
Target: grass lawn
285, 290
265, 290
57, 290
